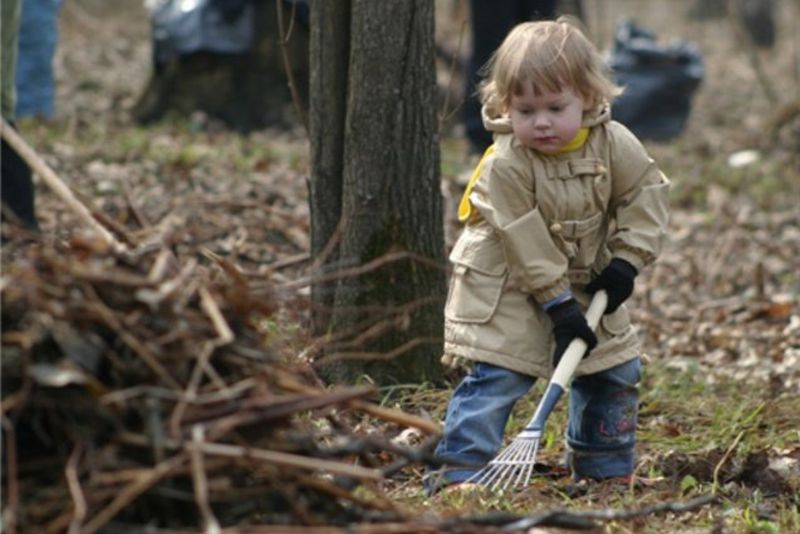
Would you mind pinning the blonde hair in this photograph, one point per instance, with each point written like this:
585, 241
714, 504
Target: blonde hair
550, 55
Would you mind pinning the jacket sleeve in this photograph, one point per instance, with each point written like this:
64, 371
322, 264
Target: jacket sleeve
504, 196
639, 202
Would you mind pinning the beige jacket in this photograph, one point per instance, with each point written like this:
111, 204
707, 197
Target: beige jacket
541, 225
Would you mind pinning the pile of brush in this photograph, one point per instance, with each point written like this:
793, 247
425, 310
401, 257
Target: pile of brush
143, 389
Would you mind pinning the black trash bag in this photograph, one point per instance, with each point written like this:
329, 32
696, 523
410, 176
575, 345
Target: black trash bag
184, 26
659, 82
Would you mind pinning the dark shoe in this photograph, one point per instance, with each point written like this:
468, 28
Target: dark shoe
17, 189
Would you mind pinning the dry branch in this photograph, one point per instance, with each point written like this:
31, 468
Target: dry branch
287, 65
174, 394
292, 460
55, 183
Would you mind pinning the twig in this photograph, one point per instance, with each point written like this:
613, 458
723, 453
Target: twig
152, 297
362, 528
108, 222
362, 269
566, 519
212, 397
91, 273
225, 336
56, 184
159, 268
375, 323
141, 218
718, 467
287, 64
141, 484
746, 421
200, 481
373, 332
364, 355
397, 416
292, 460
288, 382
74, 484
190, 391
209, 305
446, 115
323, 255
268, 407
11, 510
108, 316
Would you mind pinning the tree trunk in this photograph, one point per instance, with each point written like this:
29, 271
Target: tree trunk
375, 190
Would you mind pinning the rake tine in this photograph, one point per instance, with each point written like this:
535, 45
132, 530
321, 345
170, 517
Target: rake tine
519, 458
532, 465
518, 455
528, 469
502, 475
491, 476
524, 462
493, 471
506, 472
513, 467
524, 472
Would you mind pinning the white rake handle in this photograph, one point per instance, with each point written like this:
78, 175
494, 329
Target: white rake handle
564, 370
576, 349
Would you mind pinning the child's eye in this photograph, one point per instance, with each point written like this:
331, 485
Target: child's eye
556, 109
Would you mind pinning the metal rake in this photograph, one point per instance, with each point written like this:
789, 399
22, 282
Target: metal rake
513, 466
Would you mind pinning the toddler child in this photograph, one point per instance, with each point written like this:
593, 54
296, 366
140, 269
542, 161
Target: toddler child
564, 203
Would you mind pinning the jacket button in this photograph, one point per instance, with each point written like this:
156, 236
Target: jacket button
555, 228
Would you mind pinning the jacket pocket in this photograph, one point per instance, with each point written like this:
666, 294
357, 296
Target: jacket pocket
479, 276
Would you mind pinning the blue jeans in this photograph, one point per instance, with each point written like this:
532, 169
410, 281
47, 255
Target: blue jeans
601, 432
38, 39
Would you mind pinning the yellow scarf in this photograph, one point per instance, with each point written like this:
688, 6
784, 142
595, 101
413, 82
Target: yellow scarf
576, 143
465, 206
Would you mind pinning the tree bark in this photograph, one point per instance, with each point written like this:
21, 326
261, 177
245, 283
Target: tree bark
329, 47
378, 162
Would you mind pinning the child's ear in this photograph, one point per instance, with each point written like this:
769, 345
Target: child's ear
588, 103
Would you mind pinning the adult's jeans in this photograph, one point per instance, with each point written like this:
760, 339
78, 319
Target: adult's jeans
38, 39
603, 410
490, 23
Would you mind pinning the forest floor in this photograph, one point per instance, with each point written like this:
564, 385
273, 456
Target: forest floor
719, 313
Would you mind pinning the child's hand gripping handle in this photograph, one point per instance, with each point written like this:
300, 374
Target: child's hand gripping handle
564, 370
574, 353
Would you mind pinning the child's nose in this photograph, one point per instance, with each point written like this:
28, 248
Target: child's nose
541, 121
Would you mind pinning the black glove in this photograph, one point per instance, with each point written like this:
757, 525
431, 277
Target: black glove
569, 323
617, 280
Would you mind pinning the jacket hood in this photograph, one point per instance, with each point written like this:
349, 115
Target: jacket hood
501, 124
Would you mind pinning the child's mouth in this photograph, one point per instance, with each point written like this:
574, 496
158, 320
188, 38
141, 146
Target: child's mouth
546, 140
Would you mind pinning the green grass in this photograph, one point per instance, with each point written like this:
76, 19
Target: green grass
695, 438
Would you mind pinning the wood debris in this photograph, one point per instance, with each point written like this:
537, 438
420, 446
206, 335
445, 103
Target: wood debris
144, 390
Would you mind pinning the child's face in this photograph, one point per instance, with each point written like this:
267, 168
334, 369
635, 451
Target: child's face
548, 121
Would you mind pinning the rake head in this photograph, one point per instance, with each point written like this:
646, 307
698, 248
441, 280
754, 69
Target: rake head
513, 467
